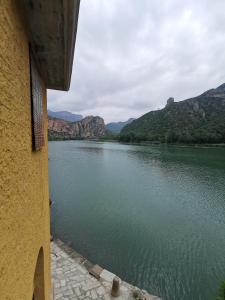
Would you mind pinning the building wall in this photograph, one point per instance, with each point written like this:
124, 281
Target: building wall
24, 197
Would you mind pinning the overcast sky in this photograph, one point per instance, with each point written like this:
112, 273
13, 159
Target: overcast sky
132, 55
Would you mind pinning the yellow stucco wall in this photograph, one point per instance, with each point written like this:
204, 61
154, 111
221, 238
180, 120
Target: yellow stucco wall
24, 197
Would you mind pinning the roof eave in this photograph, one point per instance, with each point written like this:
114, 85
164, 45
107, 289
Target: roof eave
52, 29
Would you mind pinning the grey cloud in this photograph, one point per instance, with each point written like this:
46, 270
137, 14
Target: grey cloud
131, 55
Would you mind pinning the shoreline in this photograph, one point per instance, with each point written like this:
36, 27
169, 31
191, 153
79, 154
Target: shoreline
76, 277
220, 145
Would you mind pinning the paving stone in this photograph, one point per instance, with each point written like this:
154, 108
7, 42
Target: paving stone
72, 281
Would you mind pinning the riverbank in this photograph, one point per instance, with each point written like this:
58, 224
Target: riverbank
146, 143
72, 279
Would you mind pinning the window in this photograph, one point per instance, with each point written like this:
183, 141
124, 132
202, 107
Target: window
37, 110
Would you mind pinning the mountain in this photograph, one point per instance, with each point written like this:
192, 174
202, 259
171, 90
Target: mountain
196, 120
89, 127
116, 127
65, 115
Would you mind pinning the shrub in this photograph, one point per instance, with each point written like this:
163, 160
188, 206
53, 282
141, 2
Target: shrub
221, 294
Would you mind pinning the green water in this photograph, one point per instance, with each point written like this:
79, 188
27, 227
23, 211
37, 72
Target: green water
154, 215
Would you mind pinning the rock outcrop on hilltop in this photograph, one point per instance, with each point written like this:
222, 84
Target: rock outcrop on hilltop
87, 128
197, 120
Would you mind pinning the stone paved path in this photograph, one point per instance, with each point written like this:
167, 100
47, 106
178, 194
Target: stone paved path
71, 278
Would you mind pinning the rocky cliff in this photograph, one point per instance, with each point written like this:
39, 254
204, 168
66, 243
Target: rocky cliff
197, 120
87, 128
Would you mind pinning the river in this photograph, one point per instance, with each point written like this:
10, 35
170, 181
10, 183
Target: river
154, 215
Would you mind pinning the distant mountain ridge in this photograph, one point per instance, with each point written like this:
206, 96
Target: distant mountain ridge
87, 128
65, 115
196, 120
116, 127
